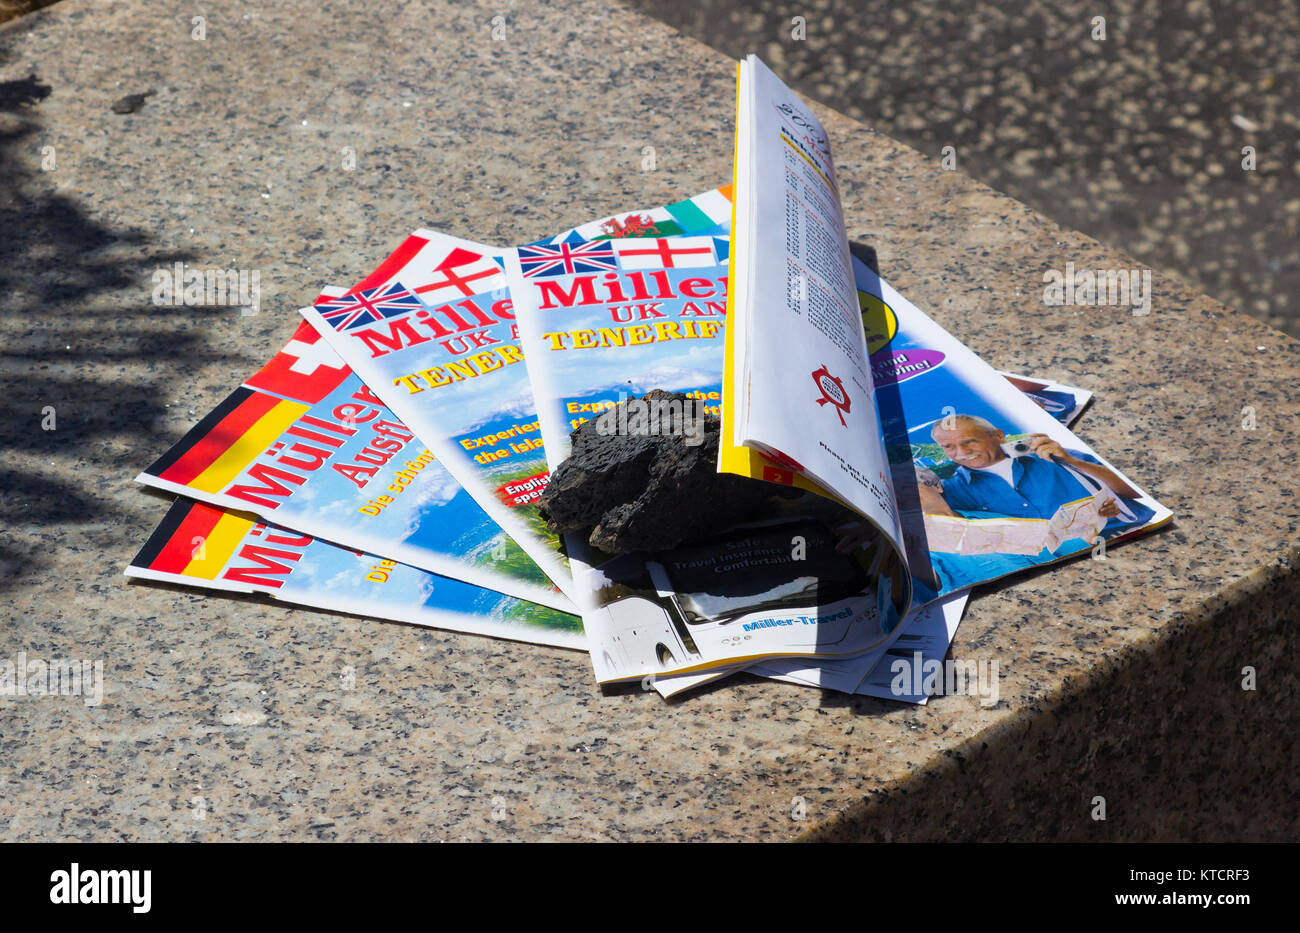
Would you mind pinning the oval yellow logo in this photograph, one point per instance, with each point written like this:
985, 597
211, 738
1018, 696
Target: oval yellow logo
878, 320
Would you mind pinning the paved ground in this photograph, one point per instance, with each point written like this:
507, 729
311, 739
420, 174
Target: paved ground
1135, 140
1122, 677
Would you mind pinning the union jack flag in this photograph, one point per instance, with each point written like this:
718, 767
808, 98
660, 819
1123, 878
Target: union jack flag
567, 258
368, 306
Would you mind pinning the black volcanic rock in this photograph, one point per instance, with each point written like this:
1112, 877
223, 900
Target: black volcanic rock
639, 491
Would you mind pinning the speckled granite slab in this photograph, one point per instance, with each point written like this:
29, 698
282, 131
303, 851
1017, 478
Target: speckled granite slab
232, 719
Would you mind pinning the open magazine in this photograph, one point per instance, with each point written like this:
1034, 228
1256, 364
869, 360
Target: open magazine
617, 317
909, 440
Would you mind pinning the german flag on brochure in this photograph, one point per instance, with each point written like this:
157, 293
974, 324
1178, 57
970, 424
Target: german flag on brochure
213, 548
233, 434
253, 417
199, 542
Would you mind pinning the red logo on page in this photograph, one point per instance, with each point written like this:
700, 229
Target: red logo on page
833, 392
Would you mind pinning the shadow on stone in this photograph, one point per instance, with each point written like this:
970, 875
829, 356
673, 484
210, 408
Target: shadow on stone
1167, 733
79, 360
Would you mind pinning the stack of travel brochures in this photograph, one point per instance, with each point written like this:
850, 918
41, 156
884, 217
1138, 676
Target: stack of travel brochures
393, 459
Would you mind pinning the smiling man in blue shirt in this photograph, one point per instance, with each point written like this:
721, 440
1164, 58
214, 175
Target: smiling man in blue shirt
1032, 484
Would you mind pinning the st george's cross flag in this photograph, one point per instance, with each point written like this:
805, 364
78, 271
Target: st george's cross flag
686, 252
461, 275
437, 271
